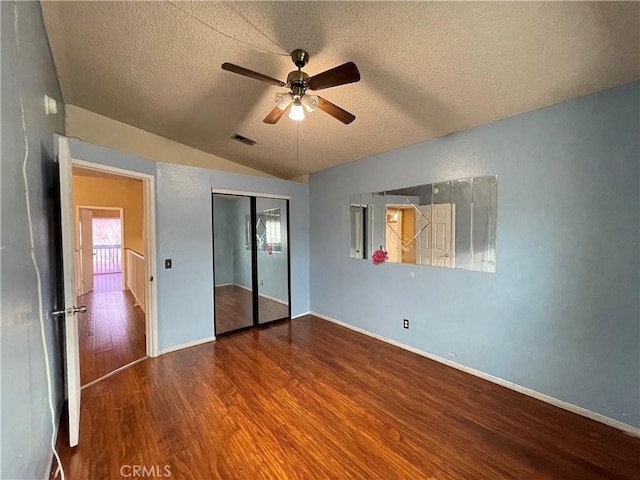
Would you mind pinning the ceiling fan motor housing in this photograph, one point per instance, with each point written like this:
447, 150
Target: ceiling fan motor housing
300, 57
297, 82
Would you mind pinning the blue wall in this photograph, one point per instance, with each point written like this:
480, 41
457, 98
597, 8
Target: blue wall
26, 418
562, 314
184, 234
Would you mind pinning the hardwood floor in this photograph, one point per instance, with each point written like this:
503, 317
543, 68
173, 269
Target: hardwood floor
308, 399
234, 309
111, 333
107, 282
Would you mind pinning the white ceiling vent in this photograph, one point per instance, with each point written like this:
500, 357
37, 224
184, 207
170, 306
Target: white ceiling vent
239, 138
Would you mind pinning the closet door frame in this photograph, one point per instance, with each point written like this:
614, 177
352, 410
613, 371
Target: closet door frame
253, 196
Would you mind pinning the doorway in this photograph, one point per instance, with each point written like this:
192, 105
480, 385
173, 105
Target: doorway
109, 225
100, 243
251, 261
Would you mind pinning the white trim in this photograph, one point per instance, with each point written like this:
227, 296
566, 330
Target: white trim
302, 315
273, 299
186, 345
223, 285
268, 297
134, 291
224, 191
242, 286
628, 429
149, 234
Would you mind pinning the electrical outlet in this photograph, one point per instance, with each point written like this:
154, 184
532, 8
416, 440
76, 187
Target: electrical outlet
405, 323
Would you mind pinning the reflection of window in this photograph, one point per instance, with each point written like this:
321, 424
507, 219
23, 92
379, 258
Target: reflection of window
268, 231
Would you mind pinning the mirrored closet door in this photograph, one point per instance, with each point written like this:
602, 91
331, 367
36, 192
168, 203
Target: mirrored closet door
251, 261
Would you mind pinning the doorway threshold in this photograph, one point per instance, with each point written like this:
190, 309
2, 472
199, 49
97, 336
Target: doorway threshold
110, 374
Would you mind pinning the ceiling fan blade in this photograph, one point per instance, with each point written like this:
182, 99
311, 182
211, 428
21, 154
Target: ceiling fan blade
335, 111
340, 75
275, 115
230, 67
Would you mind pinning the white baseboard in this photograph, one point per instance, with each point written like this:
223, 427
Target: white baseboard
628, 429
259, 294
186, 345
273, 299
302, 315
223, 284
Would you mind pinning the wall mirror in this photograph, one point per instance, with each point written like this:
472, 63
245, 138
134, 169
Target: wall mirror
450, 224
360, 221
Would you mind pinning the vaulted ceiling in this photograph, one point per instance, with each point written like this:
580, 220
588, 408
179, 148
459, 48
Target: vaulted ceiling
427, 68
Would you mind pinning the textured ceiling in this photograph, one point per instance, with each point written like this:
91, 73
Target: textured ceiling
428, 68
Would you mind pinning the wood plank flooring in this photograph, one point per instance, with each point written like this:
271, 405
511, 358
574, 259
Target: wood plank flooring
111, 332
234, 309
107, 282
308, 399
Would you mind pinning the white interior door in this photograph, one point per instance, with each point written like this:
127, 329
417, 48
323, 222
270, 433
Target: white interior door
422, 224
393, 236
85, 242
442, 235
72, 351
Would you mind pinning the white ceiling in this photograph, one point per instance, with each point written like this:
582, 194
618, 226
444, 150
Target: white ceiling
428, 68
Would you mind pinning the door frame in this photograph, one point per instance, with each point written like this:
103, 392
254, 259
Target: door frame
149, 238
254, 263
121, 210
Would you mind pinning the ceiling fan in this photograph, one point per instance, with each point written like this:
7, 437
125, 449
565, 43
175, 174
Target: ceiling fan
298, 82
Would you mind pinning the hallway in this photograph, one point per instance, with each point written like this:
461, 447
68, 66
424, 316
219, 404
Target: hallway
112, 331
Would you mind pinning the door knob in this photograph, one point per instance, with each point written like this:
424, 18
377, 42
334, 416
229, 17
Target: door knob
69, 311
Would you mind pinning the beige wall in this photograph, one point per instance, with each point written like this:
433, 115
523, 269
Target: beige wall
106, 132
103, 192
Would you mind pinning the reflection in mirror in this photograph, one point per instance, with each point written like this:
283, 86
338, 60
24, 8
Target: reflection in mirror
358, 231
448, 224
273, 259
483, 232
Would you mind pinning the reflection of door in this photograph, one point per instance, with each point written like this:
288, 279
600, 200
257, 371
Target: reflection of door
85, 244
434, 244
442, 234
393, 235
423, 241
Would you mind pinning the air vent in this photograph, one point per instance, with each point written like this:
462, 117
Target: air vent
241, 139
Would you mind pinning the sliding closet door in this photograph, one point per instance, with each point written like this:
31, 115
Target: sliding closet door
233, 268
272, 246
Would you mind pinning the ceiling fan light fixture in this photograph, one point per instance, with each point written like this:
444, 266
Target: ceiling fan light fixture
283, 100
296, 112
310, 102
